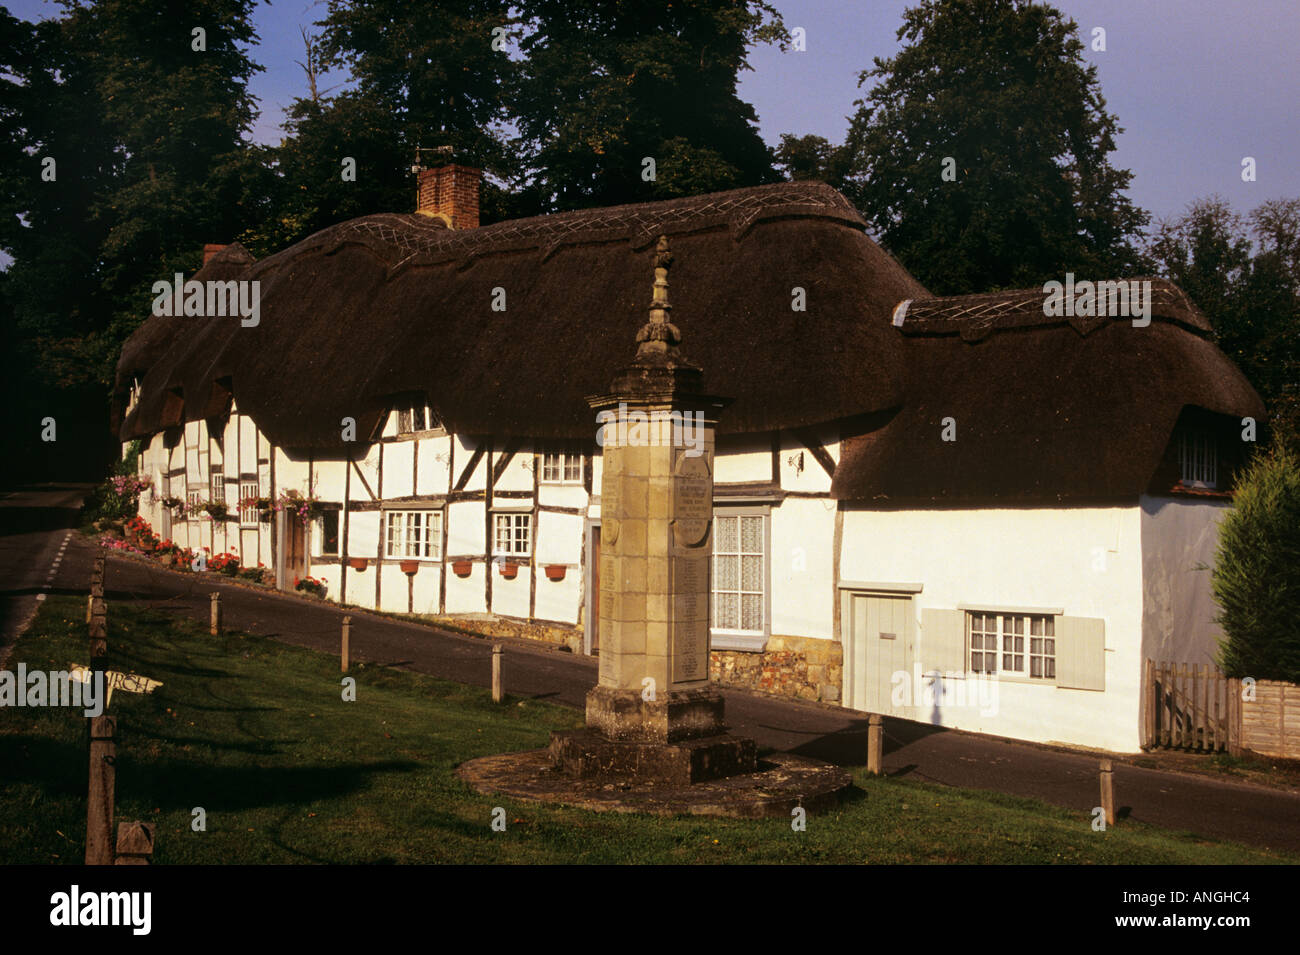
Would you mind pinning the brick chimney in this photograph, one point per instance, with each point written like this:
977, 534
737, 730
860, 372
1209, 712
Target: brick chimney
210, 250
451, 193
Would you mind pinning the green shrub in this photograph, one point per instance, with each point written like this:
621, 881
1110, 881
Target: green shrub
1256, 576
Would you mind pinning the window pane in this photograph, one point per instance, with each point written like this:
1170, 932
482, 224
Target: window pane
751, 536
417, 418
726, 572
1049, 667
1049, 627
751, 576
751, 612
726, 535
1035, 666
726, 611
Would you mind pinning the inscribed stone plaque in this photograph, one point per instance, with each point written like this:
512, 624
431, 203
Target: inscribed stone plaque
690, 650
611, 496
692, 500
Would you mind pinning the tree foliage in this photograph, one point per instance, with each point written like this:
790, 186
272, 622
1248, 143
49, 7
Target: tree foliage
606, 84
1001, 88
1244, 273
1256, 577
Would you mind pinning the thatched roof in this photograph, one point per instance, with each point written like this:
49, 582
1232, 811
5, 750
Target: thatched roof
1045, 409
391, 303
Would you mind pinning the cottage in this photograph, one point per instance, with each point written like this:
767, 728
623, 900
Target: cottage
916, 498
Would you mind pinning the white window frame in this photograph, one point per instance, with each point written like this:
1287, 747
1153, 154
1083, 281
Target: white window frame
193, 495
400, 543
562, 467
1198, 459
1012, 659
248, 516
217, 483
406, 419
729, 638
512, 521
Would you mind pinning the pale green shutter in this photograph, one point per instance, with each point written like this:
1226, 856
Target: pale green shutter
943, 641
1081, 653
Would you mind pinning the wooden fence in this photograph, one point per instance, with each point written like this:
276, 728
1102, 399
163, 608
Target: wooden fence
1194, 707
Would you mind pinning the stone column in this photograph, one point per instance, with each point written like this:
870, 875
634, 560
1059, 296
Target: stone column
657, 438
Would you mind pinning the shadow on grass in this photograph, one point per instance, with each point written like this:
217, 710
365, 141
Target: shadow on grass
182, 784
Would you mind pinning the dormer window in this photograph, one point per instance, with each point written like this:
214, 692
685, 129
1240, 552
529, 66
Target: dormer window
413, 417
1198, 457
134, 398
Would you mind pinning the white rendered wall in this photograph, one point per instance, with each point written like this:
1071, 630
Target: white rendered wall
1087, 562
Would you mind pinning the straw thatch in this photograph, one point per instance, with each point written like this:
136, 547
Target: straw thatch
392, 304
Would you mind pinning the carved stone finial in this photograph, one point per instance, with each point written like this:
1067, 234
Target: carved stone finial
659, 337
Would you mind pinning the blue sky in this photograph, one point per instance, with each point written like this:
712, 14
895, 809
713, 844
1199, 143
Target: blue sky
1196, 84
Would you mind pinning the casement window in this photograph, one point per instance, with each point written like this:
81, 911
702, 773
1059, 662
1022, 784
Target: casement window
247, 512
740, 573
512, 534
216, 484
329, 534
193, 498
413, 417
562, 467
1032, 645
412, 534
1198, 458
1013, 645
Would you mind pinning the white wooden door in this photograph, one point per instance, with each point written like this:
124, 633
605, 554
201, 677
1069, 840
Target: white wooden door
880, 644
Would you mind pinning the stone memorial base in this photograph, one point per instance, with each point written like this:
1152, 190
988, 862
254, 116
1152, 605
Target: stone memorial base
779, 783
672, 755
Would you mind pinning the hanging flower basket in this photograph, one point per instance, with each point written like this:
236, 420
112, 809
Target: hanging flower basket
555, 571
410, 566
509, 571
461, 568
358, 563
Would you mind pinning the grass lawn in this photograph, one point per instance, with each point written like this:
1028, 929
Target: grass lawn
257, 734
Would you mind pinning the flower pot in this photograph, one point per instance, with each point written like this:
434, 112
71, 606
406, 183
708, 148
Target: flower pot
555, 571
410, 566
358, 563
461, 568
509, 571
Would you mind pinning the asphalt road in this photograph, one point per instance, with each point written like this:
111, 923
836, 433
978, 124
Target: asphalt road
35, 526
1209, 807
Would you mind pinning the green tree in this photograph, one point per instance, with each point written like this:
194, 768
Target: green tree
420, 75
1256, 577
999, 88
607, 84
812, 157
146, 134
1242, 272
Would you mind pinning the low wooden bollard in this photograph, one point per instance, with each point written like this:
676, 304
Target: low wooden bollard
134, 843
214, 626
875, 744
98, 637
1108, 791
99, 794
498, 692
347, 638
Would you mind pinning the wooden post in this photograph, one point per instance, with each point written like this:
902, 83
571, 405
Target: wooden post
99, 794
1108, 790
134, 843
347, 638
498, 693
875, 744
214, 627
1149, 705
90, 602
